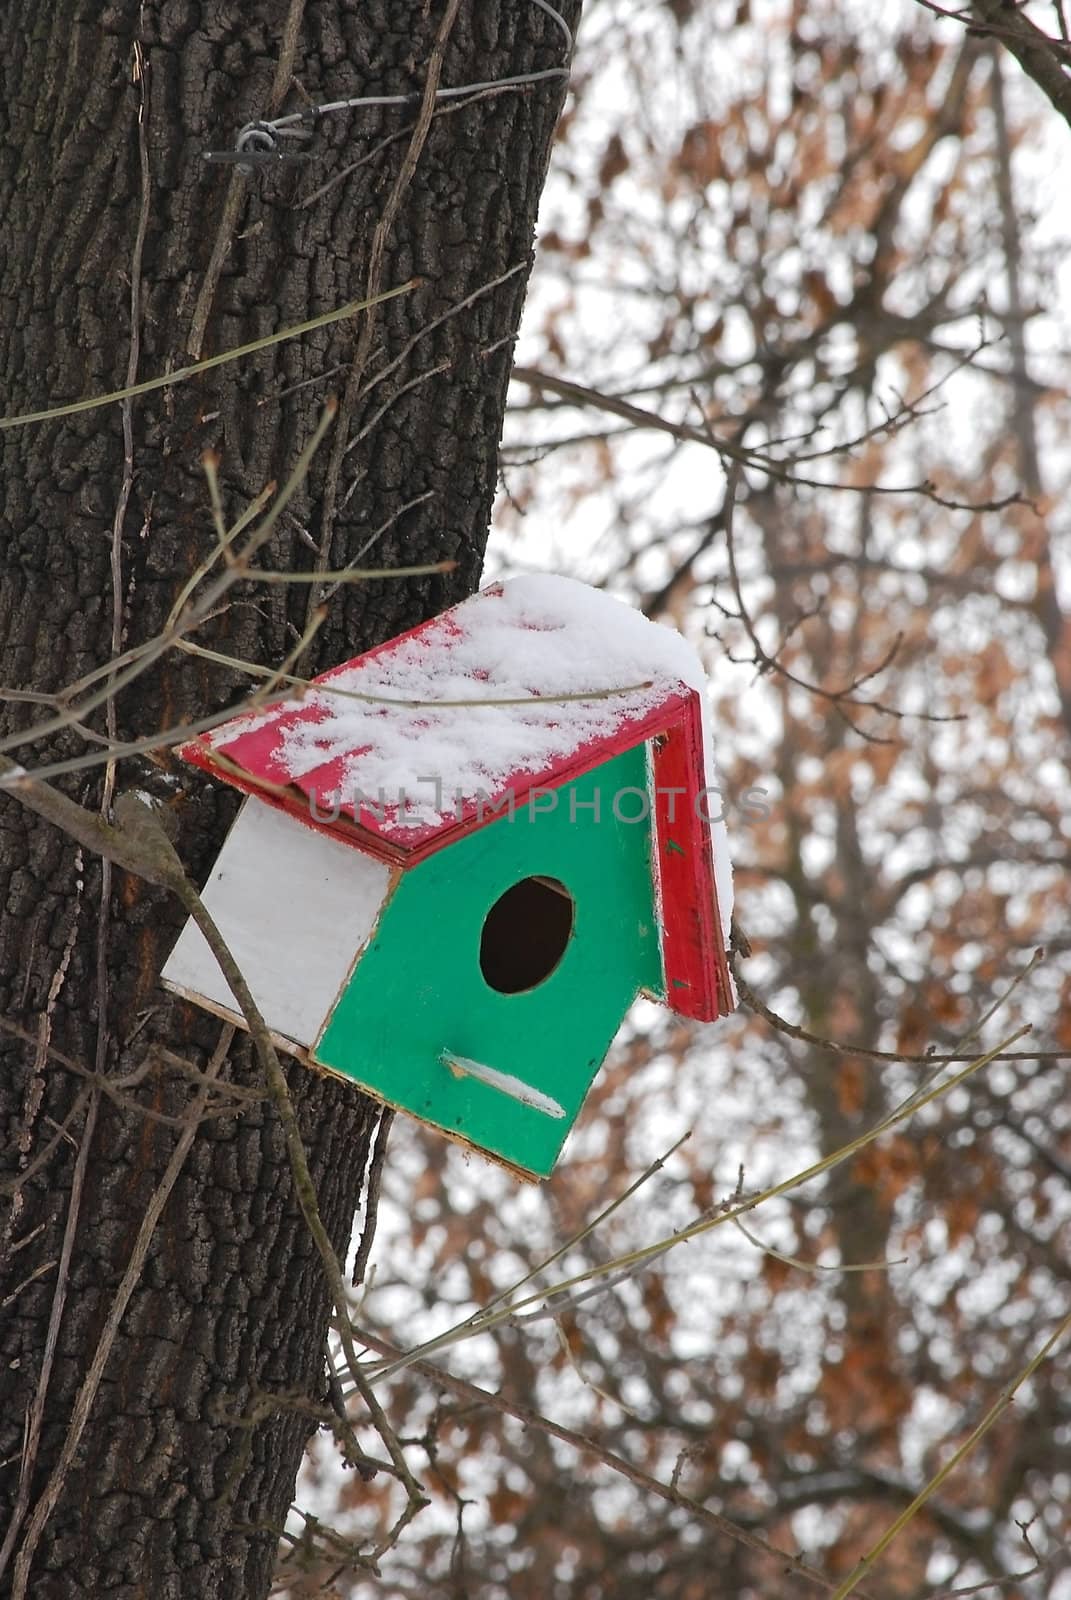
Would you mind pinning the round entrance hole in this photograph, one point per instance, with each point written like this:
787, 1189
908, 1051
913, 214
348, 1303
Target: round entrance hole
525, 934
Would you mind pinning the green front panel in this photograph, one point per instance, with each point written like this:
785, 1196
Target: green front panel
418, 990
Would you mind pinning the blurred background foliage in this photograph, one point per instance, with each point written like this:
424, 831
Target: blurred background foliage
793, 379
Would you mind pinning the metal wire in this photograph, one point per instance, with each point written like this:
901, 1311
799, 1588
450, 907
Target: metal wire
258, 143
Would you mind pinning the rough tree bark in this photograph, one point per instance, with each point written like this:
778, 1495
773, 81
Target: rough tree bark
113, 228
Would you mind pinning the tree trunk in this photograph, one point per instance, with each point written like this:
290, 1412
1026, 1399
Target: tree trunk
114, 231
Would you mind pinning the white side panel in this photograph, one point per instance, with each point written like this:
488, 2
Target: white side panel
294, 907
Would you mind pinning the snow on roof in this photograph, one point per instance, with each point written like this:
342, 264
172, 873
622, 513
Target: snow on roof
442, 700
529, 677
531, 639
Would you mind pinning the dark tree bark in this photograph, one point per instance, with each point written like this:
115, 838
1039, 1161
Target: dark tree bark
183, 1476
1042, 56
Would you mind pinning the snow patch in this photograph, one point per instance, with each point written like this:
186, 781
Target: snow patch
516, 1088
532, 639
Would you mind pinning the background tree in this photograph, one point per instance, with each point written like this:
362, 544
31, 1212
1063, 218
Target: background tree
123, 254
793, 377
1037, 37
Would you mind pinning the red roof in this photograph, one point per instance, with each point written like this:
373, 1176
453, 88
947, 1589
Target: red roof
425, 738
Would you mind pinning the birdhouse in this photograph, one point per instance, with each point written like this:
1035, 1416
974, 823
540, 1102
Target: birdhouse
466, 852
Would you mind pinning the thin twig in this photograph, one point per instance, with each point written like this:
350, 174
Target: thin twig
483, 1322
87, 1393
847, 1047
996, 1410
473, 1395
35, 1420
376, 261
769, 466
169, 379
236, 188
191, 617
159, 851
764, 662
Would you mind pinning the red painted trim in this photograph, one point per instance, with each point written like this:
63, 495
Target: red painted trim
251, 762
262, 776
696, 972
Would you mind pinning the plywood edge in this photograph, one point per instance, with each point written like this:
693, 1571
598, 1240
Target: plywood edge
524, 1173
289, 1047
